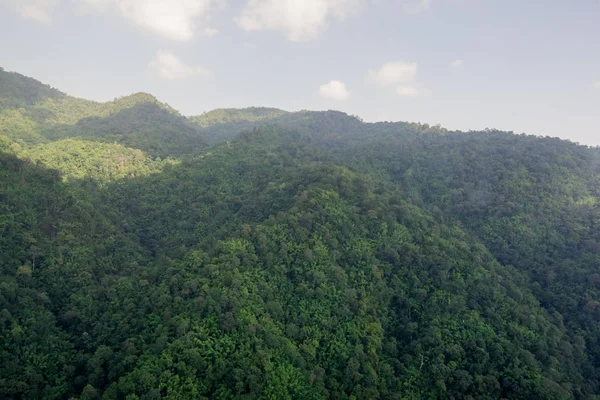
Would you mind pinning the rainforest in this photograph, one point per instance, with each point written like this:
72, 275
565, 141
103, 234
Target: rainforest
262, 254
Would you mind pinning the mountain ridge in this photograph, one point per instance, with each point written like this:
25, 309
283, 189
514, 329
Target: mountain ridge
219, 123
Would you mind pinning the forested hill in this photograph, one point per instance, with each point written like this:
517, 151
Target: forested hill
32, 113
261, 254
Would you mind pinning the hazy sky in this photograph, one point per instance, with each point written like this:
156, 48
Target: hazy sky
528, 66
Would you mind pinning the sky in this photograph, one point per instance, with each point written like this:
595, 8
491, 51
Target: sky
523, 66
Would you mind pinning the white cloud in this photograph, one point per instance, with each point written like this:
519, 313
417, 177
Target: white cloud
407, 91
39, 10
393, 73
400, 75
173, 19
412, 91
34, 12
300, 19
597, 85
169, 67
457, 63
334, 90
209, 32
415, 6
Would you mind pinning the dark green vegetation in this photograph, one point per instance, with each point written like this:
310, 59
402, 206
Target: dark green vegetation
309, 256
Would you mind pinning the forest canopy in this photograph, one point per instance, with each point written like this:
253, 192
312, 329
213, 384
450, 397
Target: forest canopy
264, 254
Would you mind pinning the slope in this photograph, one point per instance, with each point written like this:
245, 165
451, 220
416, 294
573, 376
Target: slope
32, 113
532, 201
304, 278
224, 124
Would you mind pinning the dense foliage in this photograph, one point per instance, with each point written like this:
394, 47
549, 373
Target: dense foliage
84, 159
310, 256
225, 123
32, 113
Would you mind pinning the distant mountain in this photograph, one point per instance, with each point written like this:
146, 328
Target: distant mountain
231, 115
32, 113
225, 123
17, 91
289, 255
